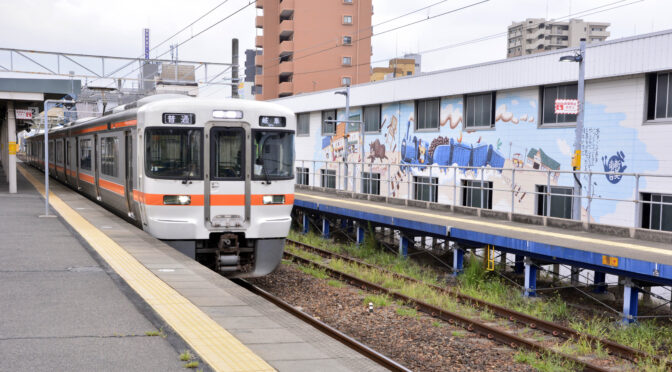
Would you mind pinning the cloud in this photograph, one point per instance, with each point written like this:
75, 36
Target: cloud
533, 103
514, 101
564, 147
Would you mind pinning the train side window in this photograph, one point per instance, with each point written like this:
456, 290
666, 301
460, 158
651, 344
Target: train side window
85, 154
109, 153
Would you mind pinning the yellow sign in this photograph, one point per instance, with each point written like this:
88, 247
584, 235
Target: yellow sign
576, 160
610, 261
12, 148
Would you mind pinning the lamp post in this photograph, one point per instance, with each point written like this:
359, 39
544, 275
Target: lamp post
578, 131
346, 93
46, 150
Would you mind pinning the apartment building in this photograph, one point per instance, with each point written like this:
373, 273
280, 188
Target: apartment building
306, 45
397, 67
535, 35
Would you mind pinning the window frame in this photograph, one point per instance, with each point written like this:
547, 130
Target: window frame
299, 124
272, 177
472, 186
438, 115
379, 108
542, 95
301, 174
148, 132
80, 148
430, 183
541, 200
346, 60
648, 206
347, 23
349, 43
493, 104
328, 133
327, 175
652, 83
343, 83
115, 156
370, 178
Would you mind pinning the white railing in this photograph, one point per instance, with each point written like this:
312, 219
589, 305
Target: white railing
350, 176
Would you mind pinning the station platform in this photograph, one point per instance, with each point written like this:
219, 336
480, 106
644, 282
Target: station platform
81, 290
632, 254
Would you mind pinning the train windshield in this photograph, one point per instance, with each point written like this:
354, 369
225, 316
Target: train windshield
273, 155
174, 153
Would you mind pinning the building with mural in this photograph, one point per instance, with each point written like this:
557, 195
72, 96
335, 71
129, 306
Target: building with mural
487, 135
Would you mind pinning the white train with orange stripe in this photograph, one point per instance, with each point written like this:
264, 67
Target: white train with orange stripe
212, 178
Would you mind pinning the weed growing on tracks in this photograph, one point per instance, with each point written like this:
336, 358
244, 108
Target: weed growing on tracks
192, 364
377, 300
545, 362
314, 271
335, 283
406, 311
186, 356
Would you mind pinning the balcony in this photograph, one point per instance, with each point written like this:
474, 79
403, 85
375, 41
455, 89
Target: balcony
258, 60
259, 41
286, 89
286, 8
286, 28
259, 22
286, 48
604, 34
286, 68
258, 79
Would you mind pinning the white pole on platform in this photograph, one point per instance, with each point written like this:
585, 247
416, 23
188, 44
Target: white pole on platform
46, 151
11, 141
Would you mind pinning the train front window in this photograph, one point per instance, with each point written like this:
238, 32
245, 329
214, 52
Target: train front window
174, 153
227, 151
273, 153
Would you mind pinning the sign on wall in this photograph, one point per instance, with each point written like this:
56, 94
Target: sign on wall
566, 106
23, 114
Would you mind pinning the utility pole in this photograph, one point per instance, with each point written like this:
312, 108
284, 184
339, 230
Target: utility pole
46, 151
578, 132
347, 121
234, 68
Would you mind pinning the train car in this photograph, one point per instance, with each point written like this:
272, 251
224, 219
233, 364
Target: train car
212, 178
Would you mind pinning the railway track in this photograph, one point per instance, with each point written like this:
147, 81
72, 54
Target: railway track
328, 330
501, 335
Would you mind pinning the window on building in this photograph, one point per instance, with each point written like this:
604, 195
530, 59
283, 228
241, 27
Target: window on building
85, 152
302, 176
657, 216
347, 1
328, 178
347, 61
109, 155
561, 202
425, 188
328, 127
370, 183
659, 105
303, 125
345, 81
427, 114
477, 194
347, 40
550, 94
480, 110
258, 89
372, 119
259, 70
347, 20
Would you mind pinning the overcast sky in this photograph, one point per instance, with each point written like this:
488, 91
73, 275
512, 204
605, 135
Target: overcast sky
115, 28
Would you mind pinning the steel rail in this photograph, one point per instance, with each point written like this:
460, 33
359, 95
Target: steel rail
325, 328
492, 333
555, 329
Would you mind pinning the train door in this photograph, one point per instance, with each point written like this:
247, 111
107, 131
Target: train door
128, 166
96, 166
67, 166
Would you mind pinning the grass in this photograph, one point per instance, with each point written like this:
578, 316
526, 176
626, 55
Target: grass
192, 364
457, 334
335, 283
437, 324
314, 271
407, 311
156, 333
545, 362
377, 300
186, 356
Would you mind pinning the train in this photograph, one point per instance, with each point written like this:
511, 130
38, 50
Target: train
212, 178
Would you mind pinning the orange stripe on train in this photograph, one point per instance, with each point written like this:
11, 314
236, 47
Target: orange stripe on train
215, 200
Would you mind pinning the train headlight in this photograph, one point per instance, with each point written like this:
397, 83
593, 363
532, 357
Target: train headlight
176, 199
227, 114
274, 199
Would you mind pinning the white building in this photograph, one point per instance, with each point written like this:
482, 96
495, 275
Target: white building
537, 35
500, 116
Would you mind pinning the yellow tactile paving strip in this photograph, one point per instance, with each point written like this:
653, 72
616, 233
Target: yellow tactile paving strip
214, 344
525, 230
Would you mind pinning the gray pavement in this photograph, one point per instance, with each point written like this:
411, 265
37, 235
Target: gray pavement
59, 309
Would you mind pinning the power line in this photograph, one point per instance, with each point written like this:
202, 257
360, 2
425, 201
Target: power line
488, 37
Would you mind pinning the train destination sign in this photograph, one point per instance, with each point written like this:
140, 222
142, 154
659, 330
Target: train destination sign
174, 118
566, 106
272, 121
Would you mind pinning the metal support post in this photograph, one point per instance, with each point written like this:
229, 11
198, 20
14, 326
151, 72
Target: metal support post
403, 246
458, 260
578, 131
306, 224
574, 275
630, 301
502, 260
599, 282
325, 228
518, 265
11, 147
530, 278
361, 233
234, 68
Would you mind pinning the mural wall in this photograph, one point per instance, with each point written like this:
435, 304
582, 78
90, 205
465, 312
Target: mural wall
615, 140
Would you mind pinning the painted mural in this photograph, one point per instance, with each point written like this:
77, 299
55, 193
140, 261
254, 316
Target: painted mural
611, 144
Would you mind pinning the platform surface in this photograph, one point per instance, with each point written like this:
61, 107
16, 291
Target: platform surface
581, 246
253, 325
